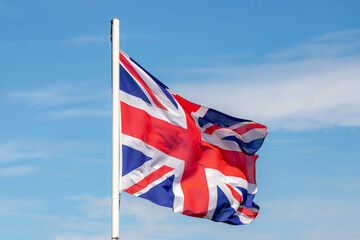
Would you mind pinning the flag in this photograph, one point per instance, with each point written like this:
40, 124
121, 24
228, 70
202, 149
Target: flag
178, 154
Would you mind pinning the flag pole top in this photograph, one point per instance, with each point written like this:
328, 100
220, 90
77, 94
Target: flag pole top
115, 22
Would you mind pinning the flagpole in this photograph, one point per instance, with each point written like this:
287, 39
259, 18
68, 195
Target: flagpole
116, 127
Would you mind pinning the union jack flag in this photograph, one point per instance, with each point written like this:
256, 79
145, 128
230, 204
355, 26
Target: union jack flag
178, 154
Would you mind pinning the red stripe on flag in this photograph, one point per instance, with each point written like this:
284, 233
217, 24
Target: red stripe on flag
211, 129
187, 105
247, 212
236, 195
247, 127
195, 189
240, 130
133, 72
149, 179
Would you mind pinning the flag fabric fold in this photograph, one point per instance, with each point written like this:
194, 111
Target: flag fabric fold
196, 160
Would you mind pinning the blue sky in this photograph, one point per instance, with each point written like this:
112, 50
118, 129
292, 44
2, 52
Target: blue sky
291, 65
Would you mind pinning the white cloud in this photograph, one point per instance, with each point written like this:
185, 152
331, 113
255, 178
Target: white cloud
143, 210
93, 207
19, 170
15, 150
81, 236
67, 101
78, 113
315, 91
19, 206
60, 95
90, 219
83, 225
319, 218
25, 150
327, 45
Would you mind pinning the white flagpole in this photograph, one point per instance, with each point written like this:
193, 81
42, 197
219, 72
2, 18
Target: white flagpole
116, 127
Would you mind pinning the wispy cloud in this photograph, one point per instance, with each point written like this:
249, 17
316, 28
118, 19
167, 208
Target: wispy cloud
19, 170
74, 225
81, 236
17, 206
90, 218
323, 221
318, 90
60, 94
78, 113
14, 150
332, 44
25, 150
143, 210
66, 101
77, 224
93, 207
